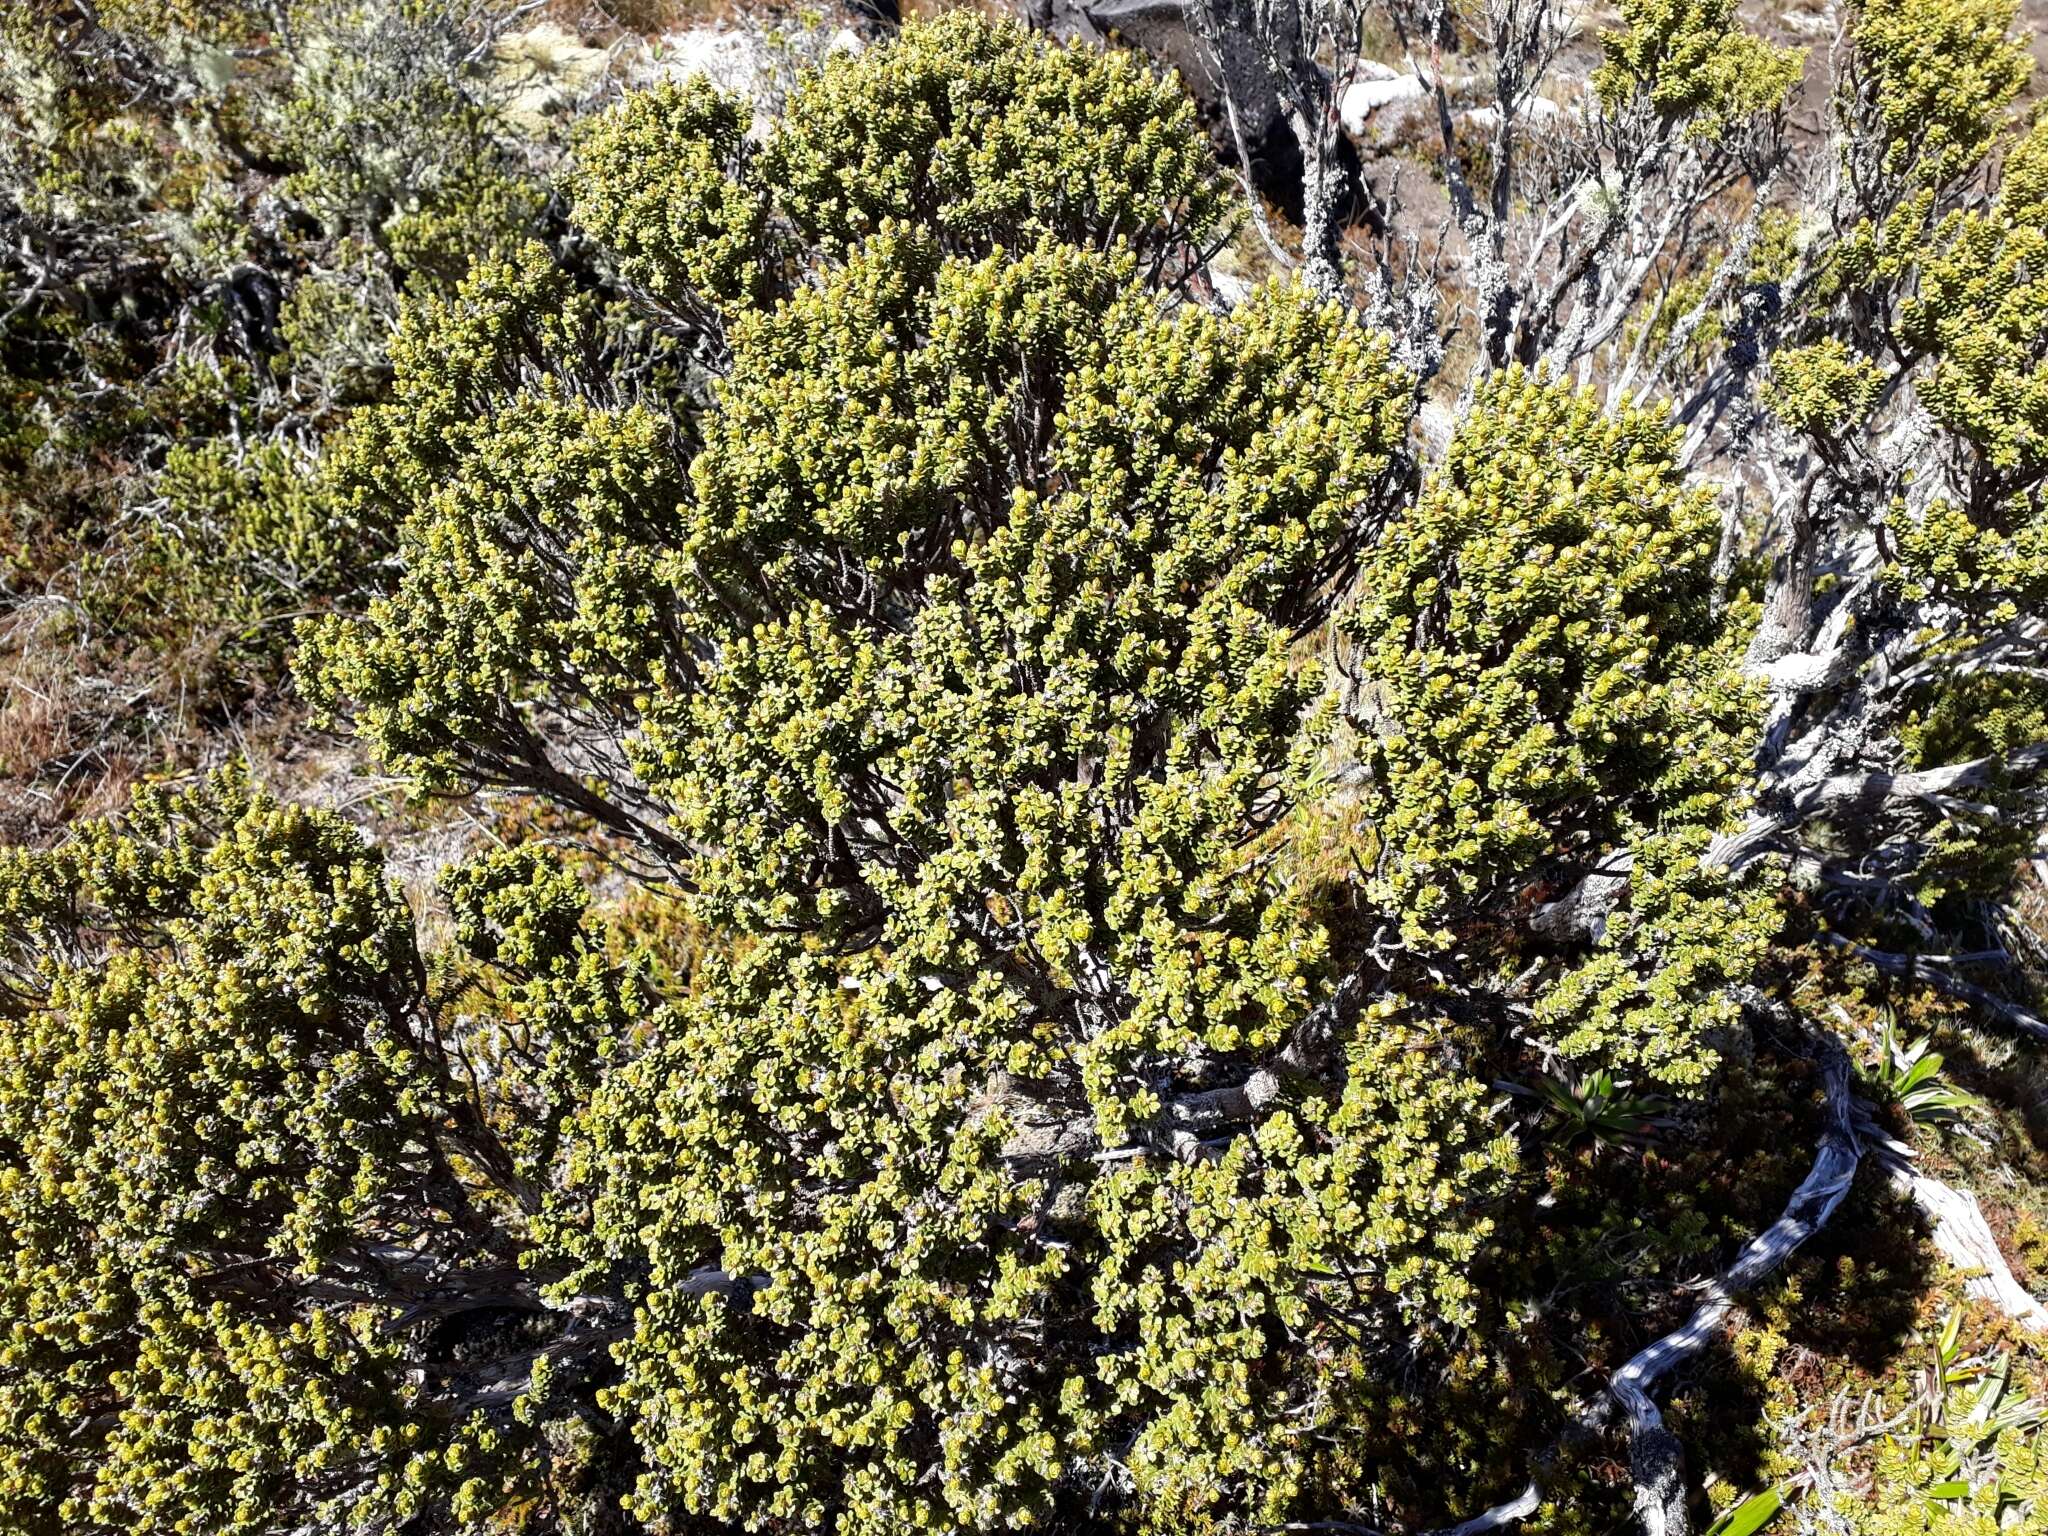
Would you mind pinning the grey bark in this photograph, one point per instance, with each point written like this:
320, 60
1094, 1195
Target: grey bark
1657, 1458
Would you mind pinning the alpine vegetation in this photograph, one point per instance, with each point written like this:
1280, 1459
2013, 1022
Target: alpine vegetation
997, 841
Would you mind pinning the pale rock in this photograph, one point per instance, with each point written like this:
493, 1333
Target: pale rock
1537, 109
734, 60
1362, 98
545, 71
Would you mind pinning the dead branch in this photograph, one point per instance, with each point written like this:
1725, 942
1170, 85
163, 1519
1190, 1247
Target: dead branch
1656, 1455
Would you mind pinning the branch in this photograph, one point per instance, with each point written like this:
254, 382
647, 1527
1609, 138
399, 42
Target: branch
711, 1281
1734, 267
1583, 911
1206, 27
1867, 792
1187, 1124
1656, 1455
1965, 1239
1520, 1507
1920, 968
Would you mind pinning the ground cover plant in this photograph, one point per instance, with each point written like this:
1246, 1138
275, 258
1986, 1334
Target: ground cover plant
995, 842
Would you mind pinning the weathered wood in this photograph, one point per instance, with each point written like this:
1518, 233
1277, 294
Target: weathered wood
1965, 1239
1656, 1456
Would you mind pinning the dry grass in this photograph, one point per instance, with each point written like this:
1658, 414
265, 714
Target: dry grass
63, 752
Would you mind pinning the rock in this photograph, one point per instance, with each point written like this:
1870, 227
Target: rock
1537, 109
545, 70
744, 61
1232, 287
733, 59
1363, 98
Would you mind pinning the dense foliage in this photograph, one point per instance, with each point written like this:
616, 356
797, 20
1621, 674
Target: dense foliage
1078, 911
211, 212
